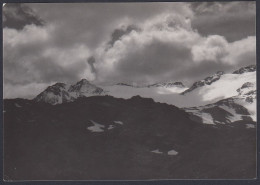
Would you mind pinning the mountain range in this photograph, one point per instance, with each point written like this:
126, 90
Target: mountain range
124, 132
222, 92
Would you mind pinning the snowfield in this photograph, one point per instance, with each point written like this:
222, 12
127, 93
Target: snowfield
223, 88
226, 86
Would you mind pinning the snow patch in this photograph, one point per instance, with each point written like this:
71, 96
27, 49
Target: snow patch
250, 126
225, 87
17, 105
157, 151
172, 152
207, 118
119, 122
96, 127
110, 127
170, 90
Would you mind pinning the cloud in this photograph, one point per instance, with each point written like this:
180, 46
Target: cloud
91, 61
118, 33
242, 52
16, 15
27, 91
233, 20
216, 49
32, 62
30, 55
212, 48
127, 42
168, 48
162, 45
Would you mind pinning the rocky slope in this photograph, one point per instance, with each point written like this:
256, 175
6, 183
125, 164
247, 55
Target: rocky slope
106, 138
241, 107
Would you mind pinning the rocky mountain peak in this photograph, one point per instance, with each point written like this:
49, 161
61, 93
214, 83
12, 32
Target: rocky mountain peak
178, 83
246, 69
248, 90
83, 81
206, 81
56, 88
220, 73
61, 92
168, 84
124, 84
59, 84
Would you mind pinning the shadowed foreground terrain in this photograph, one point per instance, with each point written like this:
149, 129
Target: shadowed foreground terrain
106, 138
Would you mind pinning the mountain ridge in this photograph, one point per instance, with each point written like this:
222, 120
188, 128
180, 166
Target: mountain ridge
60, 92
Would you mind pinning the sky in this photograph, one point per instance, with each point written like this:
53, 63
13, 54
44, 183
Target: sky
108, 43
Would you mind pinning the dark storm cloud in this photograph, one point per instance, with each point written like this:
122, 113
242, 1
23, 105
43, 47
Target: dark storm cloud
118, 33
91, 61
233, 20
156, 61
18, 15
55, 72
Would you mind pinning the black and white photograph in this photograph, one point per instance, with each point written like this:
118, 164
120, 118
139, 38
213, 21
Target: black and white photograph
129, 91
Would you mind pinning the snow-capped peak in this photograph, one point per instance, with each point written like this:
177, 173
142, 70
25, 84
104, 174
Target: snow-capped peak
55, 94
57, 87
83, 81
246, 69
61, 92
79, 85
247, 88
85, 88
207, 81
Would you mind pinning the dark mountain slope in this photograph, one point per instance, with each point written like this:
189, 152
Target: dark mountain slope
105, 138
